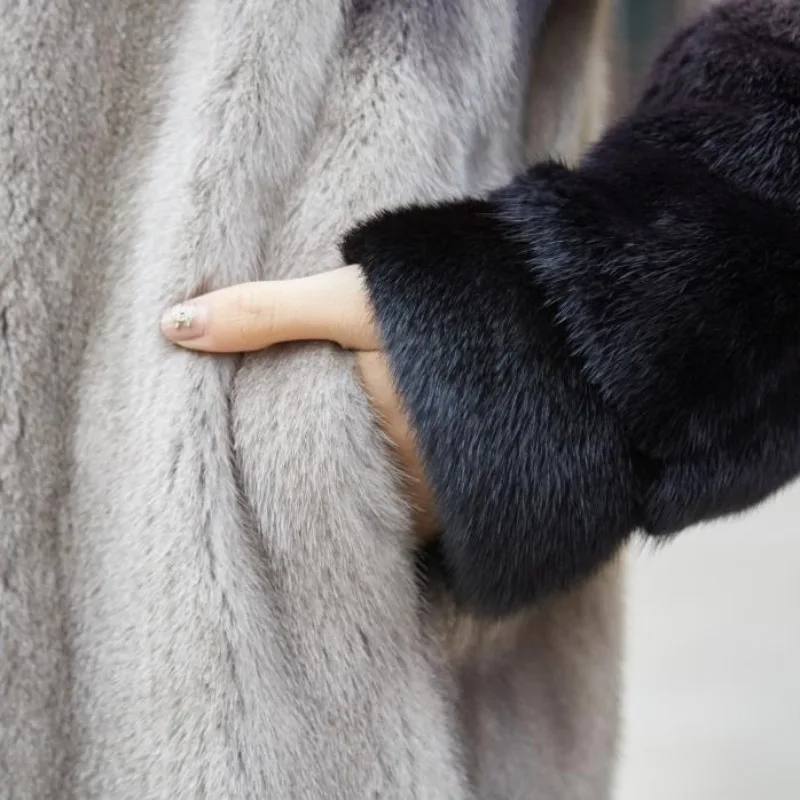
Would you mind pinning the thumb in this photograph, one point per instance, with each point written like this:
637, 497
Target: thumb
332, 306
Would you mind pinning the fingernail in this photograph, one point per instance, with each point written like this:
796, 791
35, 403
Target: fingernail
183, 322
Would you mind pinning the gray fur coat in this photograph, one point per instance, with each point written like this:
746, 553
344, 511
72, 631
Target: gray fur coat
207, 582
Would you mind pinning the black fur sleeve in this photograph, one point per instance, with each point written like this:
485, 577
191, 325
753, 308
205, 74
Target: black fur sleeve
617, 347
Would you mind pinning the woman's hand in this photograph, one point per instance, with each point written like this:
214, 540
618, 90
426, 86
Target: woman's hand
332, 306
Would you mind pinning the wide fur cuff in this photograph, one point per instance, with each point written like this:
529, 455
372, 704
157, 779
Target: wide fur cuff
532, 474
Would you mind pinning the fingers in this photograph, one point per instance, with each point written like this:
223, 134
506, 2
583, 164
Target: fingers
332, 306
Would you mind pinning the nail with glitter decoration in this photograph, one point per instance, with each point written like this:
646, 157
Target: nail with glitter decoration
183, 322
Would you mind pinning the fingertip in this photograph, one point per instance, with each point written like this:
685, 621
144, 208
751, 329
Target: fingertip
184, 322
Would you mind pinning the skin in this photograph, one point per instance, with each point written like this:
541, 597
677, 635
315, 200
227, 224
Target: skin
332, 306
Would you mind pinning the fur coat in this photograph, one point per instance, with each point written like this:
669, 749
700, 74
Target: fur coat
208, 588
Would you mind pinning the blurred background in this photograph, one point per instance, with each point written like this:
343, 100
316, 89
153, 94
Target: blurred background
712, 702
645, 25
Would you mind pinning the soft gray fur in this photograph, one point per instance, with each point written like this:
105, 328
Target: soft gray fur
207, 578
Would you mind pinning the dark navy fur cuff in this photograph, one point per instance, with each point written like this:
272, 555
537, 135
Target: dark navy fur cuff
592, 351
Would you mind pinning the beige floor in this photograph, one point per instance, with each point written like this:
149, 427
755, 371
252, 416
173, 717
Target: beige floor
713, 694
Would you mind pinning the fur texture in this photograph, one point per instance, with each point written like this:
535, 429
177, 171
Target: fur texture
208, 582
594, 350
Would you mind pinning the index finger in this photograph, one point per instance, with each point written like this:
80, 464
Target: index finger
331, 306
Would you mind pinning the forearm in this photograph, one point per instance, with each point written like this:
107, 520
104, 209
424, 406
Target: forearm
616, 347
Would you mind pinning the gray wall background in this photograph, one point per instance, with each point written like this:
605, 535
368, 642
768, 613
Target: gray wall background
712, 702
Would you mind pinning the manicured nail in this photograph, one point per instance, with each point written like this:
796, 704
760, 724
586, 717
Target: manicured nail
183, 322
